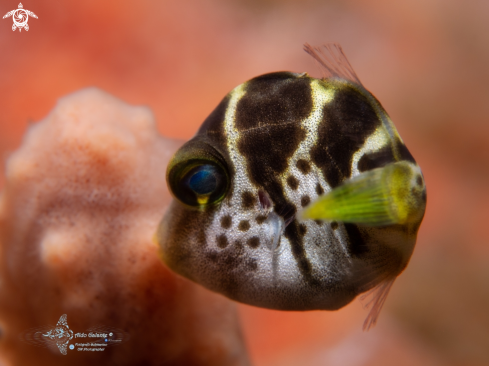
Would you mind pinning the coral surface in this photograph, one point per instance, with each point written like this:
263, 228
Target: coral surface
81, 202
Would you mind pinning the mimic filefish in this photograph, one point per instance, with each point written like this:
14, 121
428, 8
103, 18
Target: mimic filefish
296, 193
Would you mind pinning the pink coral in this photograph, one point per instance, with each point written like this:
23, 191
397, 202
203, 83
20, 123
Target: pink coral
82, 199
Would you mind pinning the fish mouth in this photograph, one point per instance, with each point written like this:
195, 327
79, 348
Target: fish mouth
275, 222
276, 227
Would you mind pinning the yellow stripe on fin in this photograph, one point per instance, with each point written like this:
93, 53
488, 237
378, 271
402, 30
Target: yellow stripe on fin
390, 195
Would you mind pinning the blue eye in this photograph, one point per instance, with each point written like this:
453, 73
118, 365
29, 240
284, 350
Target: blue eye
198, 182
204, 180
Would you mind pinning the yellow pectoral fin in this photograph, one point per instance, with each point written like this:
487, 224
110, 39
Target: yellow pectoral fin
394, 194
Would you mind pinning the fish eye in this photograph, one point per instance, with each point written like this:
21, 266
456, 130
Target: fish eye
198, 182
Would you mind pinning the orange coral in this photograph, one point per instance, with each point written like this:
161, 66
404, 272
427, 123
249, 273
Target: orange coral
82, 199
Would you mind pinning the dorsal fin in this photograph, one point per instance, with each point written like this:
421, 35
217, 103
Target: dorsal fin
333, 61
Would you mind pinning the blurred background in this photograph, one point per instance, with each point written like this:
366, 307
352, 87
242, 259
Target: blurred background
425, 60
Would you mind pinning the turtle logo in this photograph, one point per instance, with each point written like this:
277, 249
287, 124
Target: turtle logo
20, 17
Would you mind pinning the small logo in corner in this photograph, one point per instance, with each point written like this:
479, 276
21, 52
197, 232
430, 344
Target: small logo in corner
95, 339
20, 17
61, 335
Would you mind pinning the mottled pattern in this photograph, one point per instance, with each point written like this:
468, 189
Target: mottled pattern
347, 121
287, 139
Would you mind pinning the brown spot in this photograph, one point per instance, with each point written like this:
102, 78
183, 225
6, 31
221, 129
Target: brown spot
254, 242
251, 264
334, 225
247, 200
305, 200
419, 180
303, 166
244, 225
292, 182
302, 229
260, 219
226, 222
222, 241
319, 222
319, 189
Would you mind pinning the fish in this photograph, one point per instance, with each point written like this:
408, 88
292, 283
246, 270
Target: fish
296, 193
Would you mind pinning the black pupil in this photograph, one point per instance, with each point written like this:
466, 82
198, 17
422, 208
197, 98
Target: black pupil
203, 180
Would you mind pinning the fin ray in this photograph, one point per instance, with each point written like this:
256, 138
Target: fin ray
377, 296
333, 61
